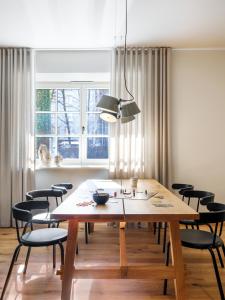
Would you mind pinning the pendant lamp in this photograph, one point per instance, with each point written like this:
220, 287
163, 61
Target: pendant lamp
113, 108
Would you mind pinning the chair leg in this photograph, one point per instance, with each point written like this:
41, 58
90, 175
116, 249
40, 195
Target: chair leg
77, 249
61, 253
89, 228
223, 247
217, 274
86, 233
26, 261
154, 228
220, 257
167, 264
54, 256
15, 255
164, 237
159, 232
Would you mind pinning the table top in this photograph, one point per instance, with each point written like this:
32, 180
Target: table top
161, 205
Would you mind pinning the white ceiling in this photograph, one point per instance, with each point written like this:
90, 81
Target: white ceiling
100, 23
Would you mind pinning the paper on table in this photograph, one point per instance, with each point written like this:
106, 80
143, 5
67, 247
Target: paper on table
107, 186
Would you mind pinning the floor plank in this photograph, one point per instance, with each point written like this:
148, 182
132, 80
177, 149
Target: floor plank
40, 282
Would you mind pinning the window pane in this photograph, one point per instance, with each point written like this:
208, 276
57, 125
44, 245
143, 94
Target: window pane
68, 147
45, 123
97, 148
48, 141
94, 96
95, 125
68, 123
45, 100
68, 99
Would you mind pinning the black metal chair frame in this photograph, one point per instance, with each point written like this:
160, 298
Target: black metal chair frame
202, 197
45, 193
22, 212
175, 186
215, 216
62, 186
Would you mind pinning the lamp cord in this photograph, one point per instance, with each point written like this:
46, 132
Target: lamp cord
125, 57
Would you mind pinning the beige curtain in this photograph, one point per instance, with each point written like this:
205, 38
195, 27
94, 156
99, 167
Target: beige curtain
141, 147
16, 129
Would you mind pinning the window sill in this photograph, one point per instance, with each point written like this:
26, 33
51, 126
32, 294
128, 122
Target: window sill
71, 166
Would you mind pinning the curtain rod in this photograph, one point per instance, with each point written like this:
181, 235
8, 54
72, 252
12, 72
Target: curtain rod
74, 49
198, 49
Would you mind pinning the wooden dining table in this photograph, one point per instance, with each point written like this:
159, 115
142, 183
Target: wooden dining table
149, 202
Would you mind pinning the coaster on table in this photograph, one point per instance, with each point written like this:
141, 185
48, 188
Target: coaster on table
85, 203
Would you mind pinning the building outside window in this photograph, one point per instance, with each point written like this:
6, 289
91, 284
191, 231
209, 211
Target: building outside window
68, 123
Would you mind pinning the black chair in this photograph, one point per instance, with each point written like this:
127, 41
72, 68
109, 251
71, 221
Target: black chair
62, 187
45, 193
204, 240
33, 238
199, 198
45, 218
180, 187
67, 186
215, 206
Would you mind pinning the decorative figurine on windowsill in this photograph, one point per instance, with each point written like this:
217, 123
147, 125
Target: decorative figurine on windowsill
44, 155
58, 159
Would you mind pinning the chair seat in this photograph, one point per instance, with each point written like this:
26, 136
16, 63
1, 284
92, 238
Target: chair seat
188, 222
44, 218
44, 237
198, 239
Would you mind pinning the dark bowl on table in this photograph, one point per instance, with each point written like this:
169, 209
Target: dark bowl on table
100, 198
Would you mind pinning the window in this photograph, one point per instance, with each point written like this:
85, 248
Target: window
68, 123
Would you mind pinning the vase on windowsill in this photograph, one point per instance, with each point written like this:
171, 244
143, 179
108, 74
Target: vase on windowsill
58, 159
44, 155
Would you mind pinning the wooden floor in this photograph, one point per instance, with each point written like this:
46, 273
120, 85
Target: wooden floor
41, 283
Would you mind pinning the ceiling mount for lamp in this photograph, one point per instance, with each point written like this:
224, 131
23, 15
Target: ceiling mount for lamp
114, 108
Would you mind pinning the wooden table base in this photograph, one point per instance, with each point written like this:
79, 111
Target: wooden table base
124, 271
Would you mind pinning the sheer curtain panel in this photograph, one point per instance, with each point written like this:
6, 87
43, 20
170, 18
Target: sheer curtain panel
141, 148
16, 129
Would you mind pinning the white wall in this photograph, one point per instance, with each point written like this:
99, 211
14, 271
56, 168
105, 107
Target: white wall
198, 119
73, 61
45, 177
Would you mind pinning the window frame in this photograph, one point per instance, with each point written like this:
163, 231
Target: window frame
83, 86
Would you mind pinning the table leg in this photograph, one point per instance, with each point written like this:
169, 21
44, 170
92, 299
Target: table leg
177, 261
123, 253
69, 260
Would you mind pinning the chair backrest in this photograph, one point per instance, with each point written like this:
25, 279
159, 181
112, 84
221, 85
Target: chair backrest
202, 197
216, 217
180, 186
67, 185
43, 194
22, 212
215, 206
211, 217
60, 188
